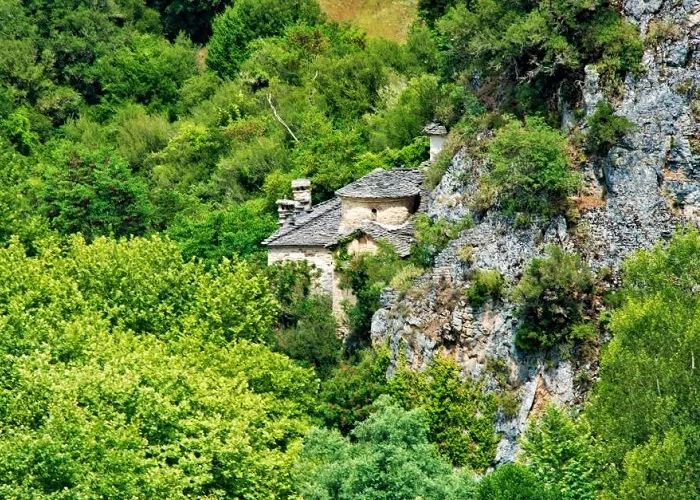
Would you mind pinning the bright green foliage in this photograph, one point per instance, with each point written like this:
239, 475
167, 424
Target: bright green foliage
560, 453
390, 458
486, 284
247, 20
313, 340
605, 128
432, 237
17, 216
532, 49
460, 415
140, 417
644, 409
346, 397
366, 275
149, 71
126, 372
531, 170
423, 100
553, 295
92, 192
220, 234
142, 285
512, 482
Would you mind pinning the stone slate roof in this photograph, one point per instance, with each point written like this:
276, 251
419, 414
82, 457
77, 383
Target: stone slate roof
380, 183
318, 228
435, 129
401, 238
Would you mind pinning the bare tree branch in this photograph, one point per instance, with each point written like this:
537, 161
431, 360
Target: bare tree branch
279, 118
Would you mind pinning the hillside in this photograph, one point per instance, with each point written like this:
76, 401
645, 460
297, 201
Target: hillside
387, 19
234, 265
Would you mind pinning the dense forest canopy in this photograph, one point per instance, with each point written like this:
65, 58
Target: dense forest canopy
147, 351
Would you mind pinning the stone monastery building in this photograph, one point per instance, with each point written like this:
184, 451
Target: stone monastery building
377, 207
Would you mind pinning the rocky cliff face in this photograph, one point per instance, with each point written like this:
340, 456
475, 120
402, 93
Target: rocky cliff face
646, 187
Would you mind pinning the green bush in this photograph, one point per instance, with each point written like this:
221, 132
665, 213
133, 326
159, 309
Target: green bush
366, 275
314, 339
247, 20
460, 415
531, 51
94, 193
346, 396
531, 169
432, 237
389, 457
554, 294
605, 128
485, 285
512, 481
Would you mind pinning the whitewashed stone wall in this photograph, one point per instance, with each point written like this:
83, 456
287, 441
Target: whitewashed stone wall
393, 212
437, 142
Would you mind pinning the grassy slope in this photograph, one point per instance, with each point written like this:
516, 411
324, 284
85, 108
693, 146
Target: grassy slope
389, 19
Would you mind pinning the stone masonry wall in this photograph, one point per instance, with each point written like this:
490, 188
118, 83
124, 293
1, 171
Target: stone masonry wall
393, 212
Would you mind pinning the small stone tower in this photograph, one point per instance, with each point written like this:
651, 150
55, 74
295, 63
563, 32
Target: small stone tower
438, 137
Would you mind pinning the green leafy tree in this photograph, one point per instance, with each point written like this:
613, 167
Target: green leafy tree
553, 295
313, 340
643, 410
460, 416
217, 234
560, 452
248, 20
346, 396
149, 70
531, 169
512, 481
92, 192
390, 458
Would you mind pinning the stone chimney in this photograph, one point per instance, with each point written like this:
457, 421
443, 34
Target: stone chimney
285, 212
302, 194
438, 137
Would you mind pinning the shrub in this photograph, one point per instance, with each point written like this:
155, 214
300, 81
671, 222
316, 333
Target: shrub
531, 51
347, 395
605, 128
531, 168
314, 339
485, 285
389, 457
553, 294
460, 415
512, 481
405, 278
432, 237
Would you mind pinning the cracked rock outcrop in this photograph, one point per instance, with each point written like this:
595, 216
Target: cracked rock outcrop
647, 186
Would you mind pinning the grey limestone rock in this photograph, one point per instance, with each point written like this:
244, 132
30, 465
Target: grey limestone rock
646, 187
